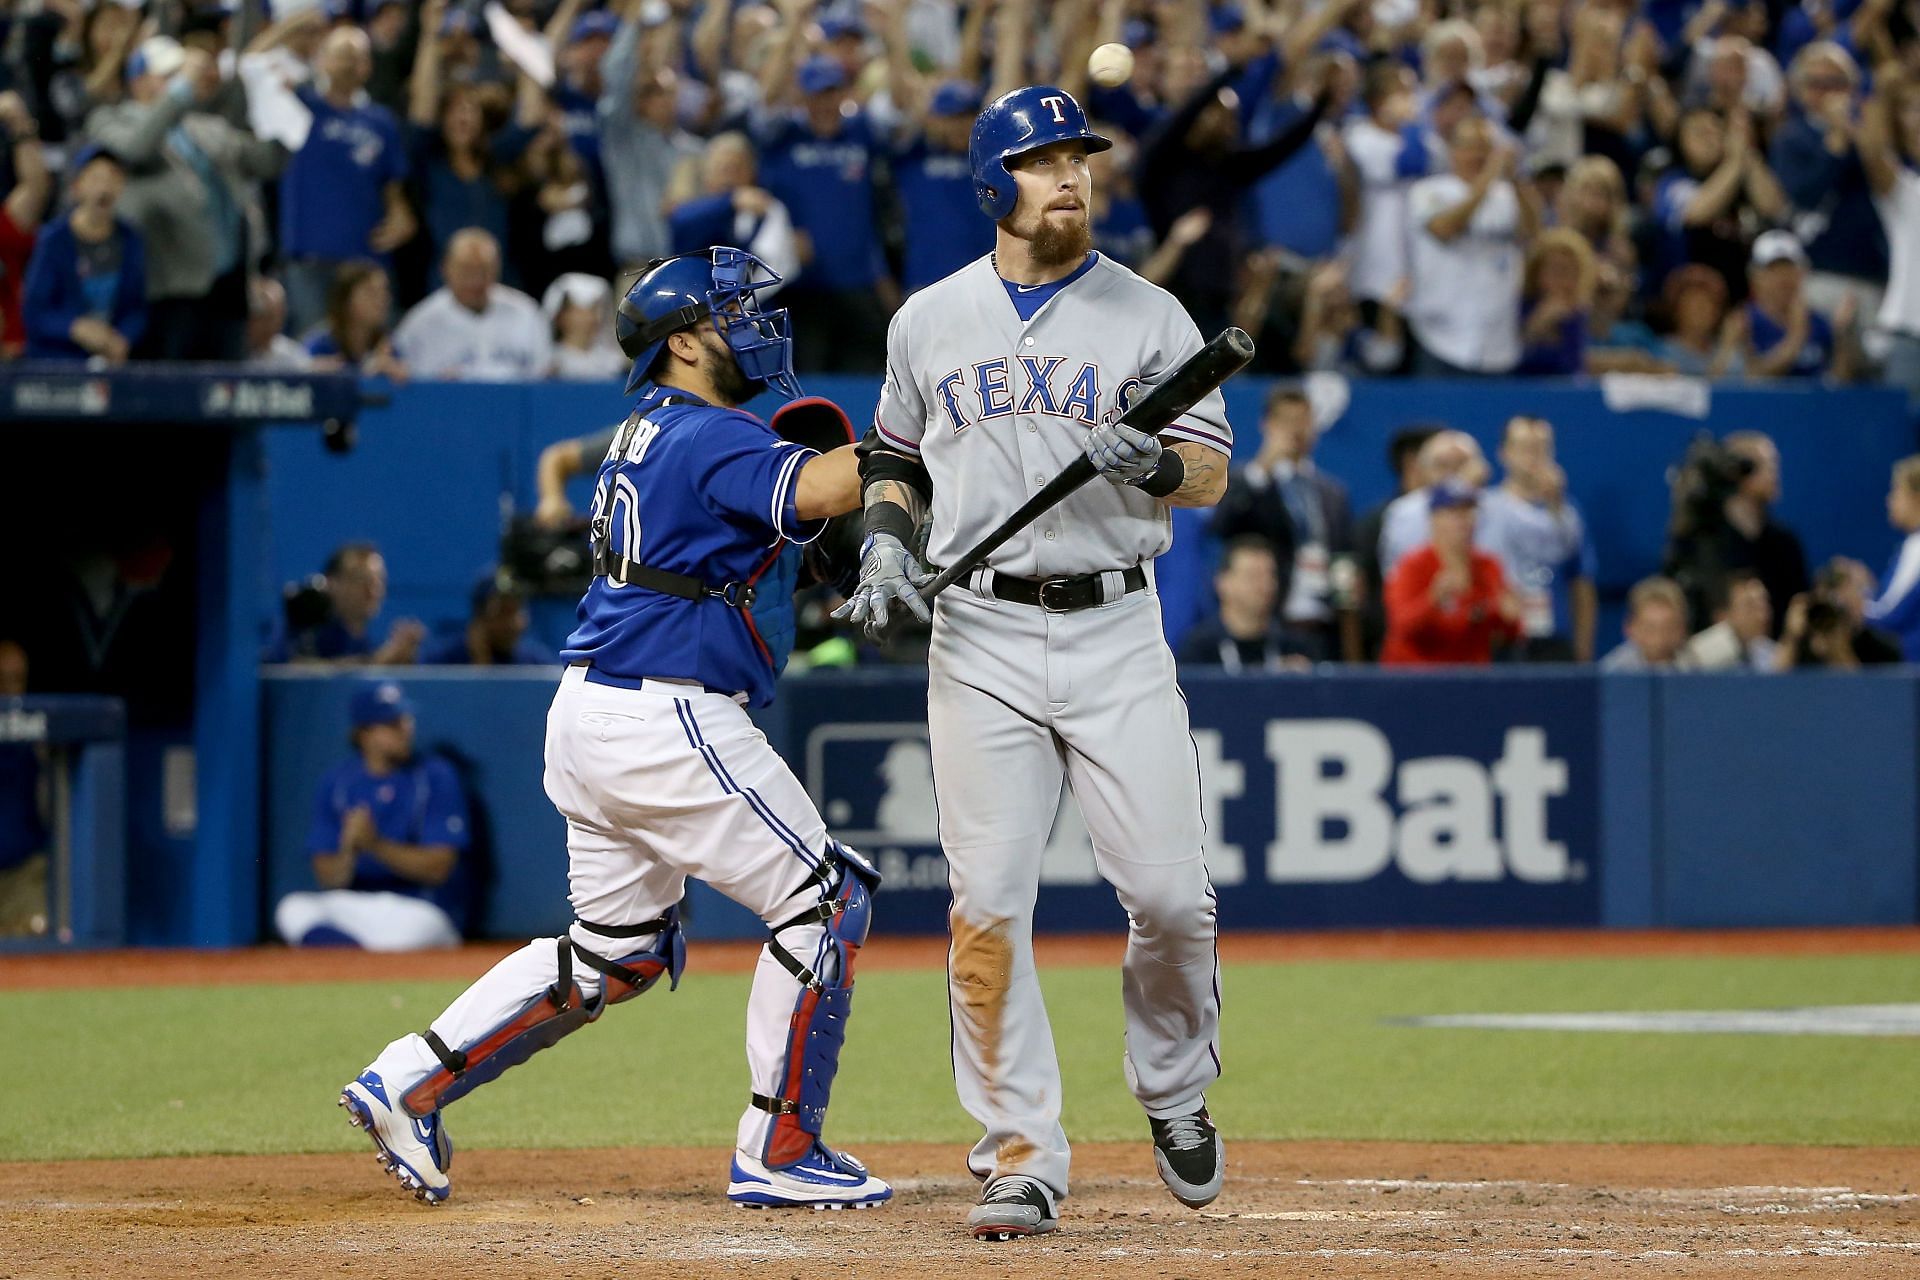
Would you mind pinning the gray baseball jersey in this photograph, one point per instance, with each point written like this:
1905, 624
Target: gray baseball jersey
1020, 698
995, 407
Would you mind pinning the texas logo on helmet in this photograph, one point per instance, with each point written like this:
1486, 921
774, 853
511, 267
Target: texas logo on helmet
1013, 124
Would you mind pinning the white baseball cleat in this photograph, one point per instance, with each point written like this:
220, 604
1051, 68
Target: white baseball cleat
416, 1152
822, 1179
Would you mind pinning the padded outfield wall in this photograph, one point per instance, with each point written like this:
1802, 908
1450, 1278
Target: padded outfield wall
1344, 799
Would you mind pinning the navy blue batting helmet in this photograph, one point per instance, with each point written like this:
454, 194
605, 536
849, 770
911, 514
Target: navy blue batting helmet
1018, 122
718, 285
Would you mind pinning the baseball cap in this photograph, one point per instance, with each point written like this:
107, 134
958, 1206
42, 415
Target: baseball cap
1227, 19
457, 22
955, 97
1778, 246
596, 23
88, 154
1451, 494
575, 287
820, 73
156, 56
384, 702
494, 582
839, 27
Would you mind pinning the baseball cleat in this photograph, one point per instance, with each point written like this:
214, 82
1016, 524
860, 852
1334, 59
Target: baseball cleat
822, 1179
1191, 1157
416, 1152
1014, 1205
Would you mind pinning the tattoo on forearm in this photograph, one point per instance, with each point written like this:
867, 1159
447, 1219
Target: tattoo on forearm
1203, 472
904, 495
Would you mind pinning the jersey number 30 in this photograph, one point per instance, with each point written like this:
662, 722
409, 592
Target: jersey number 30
615, 500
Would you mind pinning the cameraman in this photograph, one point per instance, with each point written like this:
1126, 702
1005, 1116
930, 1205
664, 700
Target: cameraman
1722, 523
330, 619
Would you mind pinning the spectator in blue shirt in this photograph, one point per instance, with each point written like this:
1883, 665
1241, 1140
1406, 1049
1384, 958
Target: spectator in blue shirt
496, 631
1699, 342
331, 619
1311, 201
931, 174
358, 331
389, 833
1555, 303
817, 158
1819, 166
463, 153
343, 195
86, 290
587, 37
1786, 337
1720, 183
1897, 607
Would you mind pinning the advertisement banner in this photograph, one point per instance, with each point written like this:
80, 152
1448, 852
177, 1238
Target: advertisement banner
1366, 801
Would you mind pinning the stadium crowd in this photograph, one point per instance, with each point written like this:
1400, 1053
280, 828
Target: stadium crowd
1467, 188
446, 189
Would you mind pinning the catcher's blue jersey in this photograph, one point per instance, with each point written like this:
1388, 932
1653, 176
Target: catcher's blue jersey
709, 493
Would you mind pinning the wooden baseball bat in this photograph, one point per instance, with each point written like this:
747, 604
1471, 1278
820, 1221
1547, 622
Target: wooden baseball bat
1210, 366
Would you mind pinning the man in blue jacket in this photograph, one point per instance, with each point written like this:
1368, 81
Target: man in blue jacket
1815, 157
86, 290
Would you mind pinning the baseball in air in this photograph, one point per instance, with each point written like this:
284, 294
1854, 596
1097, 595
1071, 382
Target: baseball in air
1110, 65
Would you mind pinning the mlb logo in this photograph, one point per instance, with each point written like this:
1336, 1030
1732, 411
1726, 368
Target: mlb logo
873, 783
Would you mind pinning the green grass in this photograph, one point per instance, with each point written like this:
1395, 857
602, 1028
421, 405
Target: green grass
256, 1069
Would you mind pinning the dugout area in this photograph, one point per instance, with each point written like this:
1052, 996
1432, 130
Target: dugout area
1359, 1144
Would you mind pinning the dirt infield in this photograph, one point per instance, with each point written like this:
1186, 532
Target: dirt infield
1325, 1210
279, 964
1321, 1209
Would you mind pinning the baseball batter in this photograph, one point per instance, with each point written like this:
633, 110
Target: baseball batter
1050, 659
658, 771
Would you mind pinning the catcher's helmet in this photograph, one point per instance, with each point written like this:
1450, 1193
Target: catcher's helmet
718, 284
1018, 122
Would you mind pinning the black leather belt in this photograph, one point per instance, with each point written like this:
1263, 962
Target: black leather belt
1063, 595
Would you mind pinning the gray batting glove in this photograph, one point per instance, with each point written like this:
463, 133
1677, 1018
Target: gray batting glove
888, 575
1121, 454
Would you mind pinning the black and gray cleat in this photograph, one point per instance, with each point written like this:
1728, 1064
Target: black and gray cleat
1014, 1205
1191, 1157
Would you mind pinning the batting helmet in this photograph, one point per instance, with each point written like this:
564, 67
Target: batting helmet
1015, 123
673, 294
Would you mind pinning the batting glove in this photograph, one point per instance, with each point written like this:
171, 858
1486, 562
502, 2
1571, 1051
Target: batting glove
889, 575
1121, 454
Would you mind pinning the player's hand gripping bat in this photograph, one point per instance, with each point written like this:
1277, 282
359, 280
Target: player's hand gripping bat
1210, 366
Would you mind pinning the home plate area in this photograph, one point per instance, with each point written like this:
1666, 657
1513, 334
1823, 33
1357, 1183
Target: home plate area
1320, 1209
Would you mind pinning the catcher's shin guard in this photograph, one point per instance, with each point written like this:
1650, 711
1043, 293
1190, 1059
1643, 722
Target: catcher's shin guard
819, 1024
552, 1015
